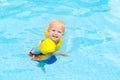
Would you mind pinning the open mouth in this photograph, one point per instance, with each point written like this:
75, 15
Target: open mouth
55, 36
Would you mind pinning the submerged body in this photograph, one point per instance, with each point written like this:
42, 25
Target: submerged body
45, 51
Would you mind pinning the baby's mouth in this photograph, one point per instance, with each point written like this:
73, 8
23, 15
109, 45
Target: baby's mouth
55, 36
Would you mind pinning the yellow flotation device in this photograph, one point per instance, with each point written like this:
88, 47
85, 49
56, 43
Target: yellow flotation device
49, 46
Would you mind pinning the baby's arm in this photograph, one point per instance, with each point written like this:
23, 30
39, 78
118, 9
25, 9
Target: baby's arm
61, 53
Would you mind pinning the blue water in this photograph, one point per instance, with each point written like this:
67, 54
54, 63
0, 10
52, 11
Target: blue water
92, 39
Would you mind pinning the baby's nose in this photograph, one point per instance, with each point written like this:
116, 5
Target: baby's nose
55, 32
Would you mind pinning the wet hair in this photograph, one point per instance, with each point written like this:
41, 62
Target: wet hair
57, 21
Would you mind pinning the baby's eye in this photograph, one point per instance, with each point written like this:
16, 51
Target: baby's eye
53, 30
59, 32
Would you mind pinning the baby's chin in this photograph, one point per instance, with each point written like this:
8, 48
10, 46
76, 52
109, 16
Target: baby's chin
55, 40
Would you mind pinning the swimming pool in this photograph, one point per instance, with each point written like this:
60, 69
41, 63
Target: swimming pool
92, 39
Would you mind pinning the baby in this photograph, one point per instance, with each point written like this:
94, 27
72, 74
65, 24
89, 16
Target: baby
46, 50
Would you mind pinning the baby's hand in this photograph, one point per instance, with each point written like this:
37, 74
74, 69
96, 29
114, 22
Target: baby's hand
64, 54
61, 53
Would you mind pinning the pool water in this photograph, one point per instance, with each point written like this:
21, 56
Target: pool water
91, 39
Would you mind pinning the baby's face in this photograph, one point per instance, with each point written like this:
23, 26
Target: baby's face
56, 31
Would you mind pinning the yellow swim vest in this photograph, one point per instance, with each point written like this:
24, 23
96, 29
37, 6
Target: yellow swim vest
49, 46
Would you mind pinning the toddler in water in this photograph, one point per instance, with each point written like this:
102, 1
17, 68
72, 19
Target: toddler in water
46, 50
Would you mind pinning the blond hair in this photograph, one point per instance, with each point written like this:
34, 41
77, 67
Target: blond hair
57, 21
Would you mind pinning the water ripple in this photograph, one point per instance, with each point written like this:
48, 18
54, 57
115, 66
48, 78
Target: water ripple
34, 8
9, 40
17, 71
84, 42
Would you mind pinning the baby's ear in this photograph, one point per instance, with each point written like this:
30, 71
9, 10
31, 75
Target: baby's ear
63, 34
